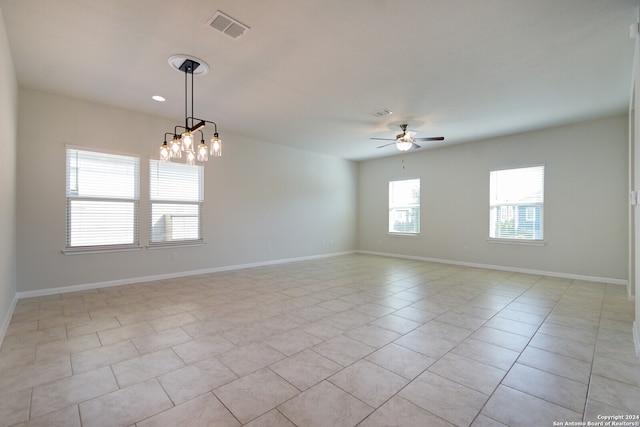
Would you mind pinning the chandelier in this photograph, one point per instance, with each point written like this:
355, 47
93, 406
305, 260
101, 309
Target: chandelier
183, 143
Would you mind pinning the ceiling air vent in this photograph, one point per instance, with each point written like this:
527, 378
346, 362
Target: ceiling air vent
381, 113
227, 25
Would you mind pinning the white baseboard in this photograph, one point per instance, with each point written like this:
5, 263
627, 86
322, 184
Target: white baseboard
504, 268
74, 288
128, 281
7, 319
636, 337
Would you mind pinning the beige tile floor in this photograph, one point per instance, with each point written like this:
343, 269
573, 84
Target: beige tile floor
342, 341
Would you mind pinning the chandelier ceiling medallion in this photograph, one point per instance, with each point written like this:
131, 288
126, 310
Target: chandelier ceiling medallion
182, 142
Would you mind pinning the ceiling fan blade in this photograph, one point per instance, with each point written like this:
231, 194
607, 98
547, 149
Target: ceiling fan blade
386, 145
434, 138
384, 139
415, 145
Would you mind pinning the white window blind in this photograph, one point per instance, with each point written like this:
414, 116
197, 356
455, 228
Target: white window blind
102, 200
516, 202
177, 196
404, 206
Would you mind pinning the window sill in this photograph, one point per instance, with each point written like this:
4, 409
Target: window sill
517, 242
170, 245
404, 234
88, 251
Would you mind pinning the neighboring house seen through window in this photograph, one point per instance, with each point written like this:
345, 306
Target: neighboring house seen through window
516, 203
404, 206
177, 197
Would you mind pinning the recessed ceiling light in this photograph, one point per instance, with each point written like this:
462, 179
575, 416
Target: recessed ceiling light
158, 98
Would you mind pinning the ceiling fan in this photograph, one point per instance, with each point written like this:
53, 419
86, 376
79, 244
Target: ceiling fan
406, 140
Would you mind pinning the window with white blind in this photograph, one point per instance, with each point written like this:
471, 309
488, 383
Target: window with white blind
516, 203
176, 192
102, 200
404, 206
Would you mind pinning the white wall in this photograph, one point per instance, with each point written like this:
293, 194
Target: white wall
8, 125
266, 202
263, 202
634, 185
585, 208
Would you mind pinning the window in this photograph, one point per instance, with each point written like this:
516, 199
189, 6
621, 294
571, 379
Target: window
102, 200
404, 206
516, 203
177, 196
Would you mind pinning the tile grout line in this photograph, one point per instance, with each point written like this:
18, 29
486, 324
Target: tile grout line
542, 323
520, 352
359, 289
593, 358
439, 358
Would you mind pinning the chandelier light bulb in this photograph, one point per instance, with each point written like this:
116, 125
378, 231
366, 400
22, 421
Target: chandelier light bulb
187, 141
176, 149
203, 152
216, 146
191, 157
165, 152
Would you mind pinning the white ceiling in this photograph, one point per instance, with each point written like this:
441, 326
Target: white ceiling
308, 74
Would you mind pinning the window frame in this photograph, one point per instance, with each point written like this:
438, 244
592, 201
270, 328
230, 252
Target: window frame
537, 216
70, 199
153, 244
391, 209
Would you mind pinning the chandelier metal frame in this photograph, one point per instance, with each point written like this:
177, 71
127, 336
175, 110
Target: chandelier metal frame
185, 144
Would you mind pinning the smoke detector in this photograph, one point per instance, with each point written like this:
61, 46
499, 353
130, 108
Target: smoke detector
227, 25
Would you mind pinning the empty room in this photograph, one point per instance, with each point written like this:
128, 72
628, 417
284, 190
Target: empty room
319, 213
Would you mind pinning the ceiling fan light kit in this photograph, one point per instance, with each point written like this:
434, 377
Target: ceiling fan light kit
406, 140
404, 143
184, 145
